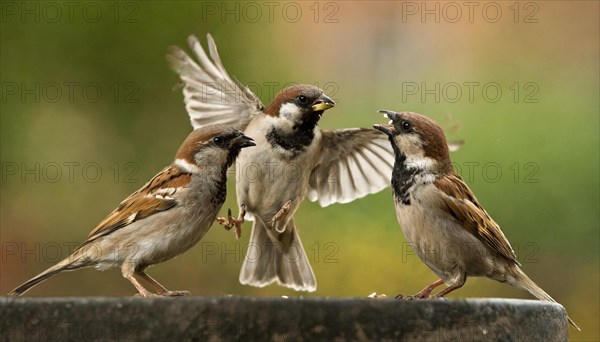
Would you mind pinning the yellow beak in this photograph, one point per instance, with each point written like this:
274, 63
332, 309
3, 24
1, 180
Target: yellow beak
323, 103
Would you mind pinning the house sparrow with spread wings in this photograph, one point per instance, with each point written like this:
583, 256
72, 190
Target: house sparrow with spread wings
439, 215
293, 159
164, 218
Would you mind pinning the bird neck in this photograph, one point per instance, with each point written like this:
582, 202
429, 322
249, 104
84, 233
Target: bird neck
220, 189
294, 140
213, 180
233, 154
407, 175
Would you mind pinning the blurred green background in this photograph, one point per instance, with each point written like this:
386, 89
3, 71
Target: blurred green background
90, 111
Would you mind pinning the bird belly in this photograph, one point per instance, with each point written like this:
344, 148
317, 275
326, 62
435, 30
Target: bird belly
155, 239
265, 182
441, 243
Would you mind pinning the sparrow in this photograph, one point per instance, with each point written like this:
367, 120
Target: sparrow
293, 160
441, 217
165, 217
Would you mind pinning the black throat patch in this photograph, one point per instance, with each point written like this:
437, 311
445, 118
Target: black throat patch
403, 178
219, 191
296, 141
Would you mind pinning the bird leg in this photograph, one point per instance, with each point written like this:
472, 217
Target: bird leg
141, 290
424, 293
448, 290
230, 221
277, 219
161, 290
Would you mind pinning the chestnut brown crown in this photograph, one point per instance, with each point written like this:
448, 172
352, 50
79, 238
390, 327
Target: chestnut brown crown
306, 98
416, 136
216, 137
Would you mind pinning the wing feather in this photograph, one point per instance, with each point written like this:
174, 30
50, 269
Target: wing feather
211, 96
152, 198
463, 206
352, 163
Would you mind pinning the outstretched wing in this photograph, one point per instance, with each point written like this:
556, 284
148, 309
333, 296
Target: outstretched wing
211, 96
352, 163
463, 206
152, 198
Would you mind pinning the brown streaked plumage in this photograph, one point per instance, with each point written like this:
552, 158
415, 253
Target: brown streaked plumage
464, 208
165, 217
142, 203
439, 215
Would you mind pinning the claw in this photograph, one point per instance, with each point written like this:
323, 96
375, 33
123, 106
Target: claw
231, 222
405, 297
425, 293
286, 207
175, 293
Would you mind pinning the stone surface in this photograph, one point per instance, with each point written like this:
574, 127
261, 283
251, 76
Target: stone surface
274, 319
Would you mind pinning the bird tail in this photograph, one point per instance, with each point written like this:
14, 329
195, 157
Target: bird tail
279, 258
66, 264
524, 282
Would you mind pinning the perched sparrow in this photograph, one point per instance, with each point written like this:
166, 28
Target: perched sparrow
294, 159
439, 215
164, 218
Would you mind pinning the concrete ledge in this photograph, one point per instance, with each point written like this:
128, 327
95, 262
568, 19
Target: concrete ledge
274, 319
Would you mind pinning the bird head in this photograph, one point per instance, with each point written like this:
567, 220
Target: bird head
301, 105
418, 140
213, 145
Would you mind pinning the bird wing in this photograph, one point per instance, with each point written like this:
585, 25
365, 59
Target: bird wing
352, 163
152, 198
210, 95
463, 207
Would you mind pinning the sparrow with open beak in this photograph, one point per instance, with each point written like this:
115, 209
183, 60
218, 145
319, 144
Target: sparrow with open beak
293, 159
439, 215
164, 218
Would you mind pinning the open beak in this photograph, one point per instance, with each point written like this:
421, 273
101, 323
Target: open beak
244, 141
387, 129
323, 103
389, 114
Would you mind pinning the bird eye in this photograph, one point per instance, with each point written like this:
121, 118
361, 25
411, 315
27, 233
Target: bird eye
302, 99
405, 125
218, 140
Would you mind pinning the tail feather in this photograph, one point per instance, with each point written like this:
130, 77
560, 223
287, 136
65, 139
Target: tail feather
255, 270
524, 282
269, 261
61, 266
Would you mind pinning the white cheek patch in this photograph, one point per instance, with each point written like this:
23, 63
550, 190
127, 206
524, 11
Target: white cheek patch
411, 146
289, 111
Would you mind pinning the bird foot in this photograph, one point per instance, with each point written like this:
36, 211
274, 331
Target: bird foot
231, 222
145, 294
425, 293
284, 210
416, 296
175, 293
404, 297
